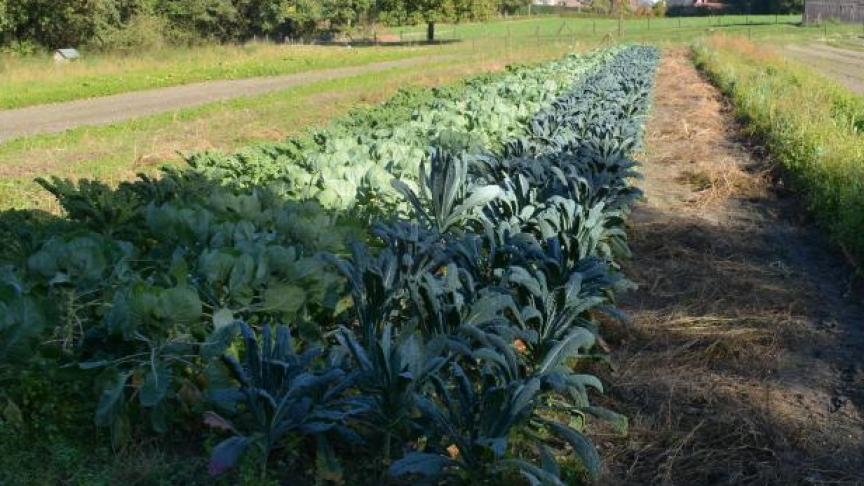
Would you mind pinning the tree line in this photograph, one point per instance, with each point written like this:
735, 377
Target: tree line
131, 23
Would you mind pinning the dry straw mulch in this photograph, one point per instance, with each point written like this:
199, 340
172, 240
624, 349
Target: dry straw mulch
741, 364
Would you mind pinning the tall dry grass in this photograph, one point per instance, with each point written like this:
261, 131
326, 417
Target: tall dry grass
811, 126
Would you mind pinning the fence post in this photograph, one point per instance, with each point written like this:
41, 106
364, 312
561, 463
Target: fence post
594, 26
507, 44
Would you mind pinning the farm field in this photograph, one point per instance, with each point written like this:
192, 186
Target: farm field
118, 151
618, 260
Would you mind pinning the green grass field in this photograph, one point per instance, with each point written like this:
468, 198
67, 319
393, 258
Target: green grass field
36, 80
116, 152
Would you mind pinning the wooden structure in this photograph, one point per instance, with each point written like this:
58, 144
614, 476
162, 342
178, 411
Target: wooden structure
816, 11
66, 55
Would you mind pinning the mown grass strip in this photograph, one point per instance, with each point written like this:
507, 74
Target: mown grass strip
32, 81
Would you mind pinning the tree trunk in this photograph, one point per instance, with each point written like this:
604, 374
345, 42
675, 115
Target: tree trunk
430, 31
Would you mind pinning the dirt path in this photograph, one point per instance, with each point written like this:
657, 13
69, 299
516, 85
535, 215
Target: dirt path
97, 111
844, 65
744, 361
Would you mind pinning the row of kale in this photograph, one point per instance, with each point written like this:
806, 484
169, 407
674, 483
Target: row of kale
492, 289
464, 352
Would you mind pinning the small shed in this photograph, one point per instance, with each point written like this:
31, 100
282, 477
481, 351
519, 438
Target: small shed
66, 55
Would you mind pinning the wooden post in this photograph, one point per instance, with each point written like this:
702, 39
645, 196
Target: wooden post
507, 44
620, 17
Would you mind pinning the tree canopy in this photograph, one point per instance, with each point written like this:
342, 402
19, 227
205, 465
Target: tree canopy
62, 23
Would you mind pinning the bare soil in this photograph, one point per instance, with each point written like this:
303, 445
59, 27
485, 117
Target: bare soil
844, 65
744, 363
109, 109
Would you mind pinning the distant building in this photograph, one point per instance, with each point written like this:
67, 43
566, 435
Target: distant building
686, 3
563, 3
845, 10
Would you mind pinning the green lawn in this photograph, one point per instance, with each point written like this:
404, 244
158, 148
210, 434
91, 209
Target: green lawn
36, 80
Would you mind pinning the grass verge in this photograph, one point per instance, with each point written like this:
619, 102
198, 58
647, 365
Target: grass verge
810, 125
38, 80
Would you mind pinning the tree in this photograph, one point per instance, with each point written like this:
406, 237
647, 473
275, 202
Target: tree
432, 12
346, 13
209, 19
510, 7
60, 23
766, 6
5, 21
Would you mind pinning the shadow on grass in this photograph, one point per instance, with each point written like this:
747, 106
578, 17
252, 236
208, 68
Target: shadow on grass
389, 43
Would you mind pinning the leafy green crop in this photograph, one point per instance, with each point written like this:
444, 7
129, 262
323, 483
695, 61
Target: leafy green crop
441, 267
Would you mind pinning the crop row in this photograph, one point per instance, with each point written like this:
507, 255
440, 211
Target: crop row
451, 340
352, 162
